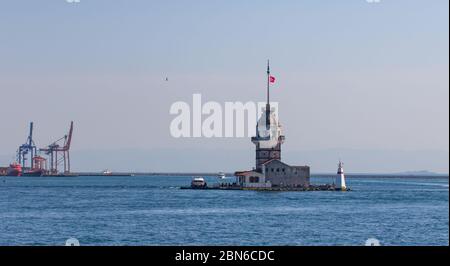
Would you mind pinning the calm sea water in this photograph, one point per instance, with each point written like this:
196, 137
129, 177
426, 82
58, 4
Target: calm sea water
154, 211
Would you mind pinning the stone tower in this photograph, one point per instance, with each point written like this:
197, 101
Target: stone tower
269, 136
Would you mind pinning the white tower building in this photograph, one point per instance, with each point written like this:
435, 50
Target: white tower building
340, 178
269, 170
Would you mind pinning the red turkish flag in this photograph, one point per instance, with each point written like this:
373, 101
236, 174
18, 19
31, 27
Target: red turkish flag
272, 79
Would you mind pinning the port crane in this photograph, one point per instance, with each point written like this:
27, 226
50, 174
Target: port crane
59, 152
28, 148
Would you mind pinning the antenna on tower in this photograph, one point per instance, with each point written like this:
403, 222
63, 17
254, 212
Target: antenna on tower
268, 97
268, 81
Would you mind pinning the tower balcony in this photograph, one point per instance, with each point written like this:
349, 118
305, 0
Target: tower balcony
258, 139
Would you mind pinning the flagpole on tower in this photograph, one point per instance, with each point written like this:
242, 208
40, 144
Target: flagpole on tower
268, 81
268, 96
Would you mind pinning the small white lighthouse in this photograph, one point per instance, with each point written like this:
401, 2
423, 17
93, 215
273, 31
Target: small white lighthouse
340, 178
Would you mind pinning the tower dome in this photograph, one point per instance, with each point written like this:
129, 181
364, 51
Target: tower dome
268, 135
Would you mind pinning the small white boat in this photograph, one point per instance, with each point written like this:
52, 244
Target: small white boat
221, 175
198, 182
107, 172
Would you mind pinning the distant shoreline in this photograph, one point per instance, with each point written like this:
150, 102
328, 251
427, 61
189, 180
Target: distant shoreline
187, 174
230, 175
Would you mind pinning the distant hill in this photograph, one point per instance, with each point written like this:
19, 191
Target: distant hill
420, 173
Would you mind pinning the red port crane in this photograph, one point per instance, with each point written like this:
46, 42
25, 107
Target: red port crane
61, 149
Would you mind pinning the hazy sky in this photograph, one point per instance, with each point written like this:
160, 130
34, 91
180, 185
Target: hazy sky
350, 74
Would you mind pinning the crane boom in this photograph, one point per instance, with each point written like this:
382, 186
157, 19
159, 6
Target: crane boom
69, 139
30, 136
